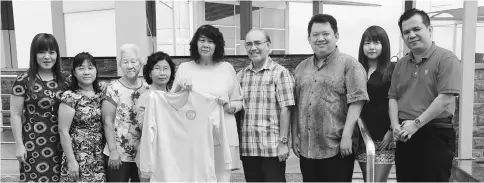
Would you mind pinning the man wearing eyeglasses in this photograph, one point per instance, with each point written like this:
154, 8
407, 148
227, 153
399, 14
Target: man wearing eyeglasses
268, 95
330, 93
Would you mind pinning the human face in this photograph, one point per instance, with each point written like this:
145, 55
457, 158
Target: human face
85, 73
161, 73
206, 46
257, 47
416, 35
46, 59
372, 49
322, 39
130, 64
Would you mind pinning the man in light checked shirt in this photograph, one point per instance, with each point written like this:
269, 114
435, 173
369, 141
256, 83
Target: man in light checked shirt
268, 96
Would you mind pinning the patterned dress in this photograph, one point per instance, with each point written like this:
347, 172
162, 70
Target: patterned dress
87, 135
40, 129
126, 127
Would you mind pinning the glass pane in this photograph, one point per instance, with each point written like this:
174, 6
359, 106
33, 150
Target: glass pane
255, 16
182, 14
229, 51
277, 38
164, 16
272, 18
299, 16
240, 49
219, 13
229, 36
167, 48
164, 36
351, 28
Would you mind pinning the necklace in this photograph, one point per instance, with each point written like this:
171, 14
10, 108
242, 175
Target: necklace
51, 93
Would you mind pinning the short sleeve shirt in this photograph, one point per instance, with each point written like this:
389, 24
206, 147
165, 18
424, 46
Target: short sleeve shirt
126, 127
265, 92
416, 85
322, 98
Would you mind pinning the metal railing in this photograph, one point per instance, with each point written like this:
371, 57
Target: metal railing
370, 151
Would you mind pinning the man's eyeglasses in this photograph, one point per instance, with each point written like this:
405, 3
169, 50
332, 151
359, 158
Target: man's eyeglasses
256, 43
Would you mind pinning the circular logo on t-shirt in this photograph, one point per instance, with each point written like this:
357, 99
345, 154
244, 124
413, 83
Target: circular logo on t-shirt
191, 114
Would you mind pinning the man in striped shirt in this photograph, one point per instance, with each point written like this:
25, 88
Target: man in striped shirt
268, 96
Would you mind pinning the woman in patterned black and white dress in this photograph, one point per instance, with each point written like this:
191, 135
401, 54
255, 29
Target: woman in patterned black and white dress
80, 124
34, 102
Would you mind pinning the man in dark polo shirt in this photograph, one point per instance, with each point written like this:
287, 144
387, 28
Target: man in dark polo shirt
422, 103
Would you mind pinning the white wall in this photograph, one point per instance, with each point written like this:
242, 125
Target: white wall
30, 18
90, 26
299, 16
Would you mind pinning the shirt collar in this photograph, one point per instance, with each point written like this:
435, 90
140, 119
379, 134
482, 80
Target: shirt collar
328, 59
426, 55
268, 65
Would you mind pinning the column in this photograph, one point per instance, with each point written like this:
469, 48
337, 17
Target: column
317, 7
58, 25
245, 18
131, 26
466, 103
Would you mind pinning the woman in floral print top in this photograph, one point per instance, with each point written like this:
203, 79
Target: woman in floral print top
122, 131
80, 125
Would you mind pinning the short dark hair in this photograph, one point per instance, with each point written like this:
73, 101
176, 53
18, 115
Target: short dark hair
410, 13
323, 18
151, 62
214, 34
77, 62
377, 33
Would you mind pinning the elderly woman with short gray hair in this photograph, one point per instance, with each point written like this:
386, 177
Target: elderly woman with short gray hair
121, 129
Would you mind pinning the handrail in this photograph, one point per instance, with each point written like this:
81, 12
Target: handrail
370, 151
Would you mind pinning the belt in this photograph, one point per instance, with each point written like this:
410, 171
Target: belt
438, 123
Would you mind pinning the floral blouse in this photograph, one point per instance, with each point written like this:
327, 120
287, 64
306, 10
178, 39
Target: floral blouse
126, 128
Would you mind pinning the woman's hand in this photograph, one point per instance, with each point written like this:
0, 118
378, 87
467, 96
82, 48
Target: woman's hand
114, 160
228, 107
21, 153
73, 168
387, 141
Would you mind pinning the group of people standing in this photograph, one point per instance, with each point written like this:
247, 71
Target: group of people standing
69, 127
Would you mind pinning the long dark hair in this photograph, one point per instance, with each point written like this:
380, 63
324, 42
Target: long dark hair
377, 33
151, 62
77, 62
44, 42
214, 34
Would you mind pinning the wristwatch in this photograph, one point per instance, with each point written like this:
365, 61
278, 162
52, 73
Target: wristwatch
283, 139
418, 123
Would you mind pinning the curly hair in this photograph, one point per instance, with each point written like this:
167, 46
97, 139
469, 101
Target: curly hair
151, 62
214, 34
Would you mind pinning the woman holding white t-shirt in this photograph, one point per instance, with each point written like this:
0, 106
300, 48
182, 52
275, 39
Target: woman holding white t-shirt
208, 73
159, 73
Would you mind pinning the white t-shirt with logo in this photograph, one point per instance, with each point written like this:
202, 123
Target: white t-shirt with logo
178, 136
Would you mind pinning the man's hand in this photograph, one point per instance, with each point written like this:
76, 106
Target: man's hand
408, 129
282, 152
296, 145
345, 146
